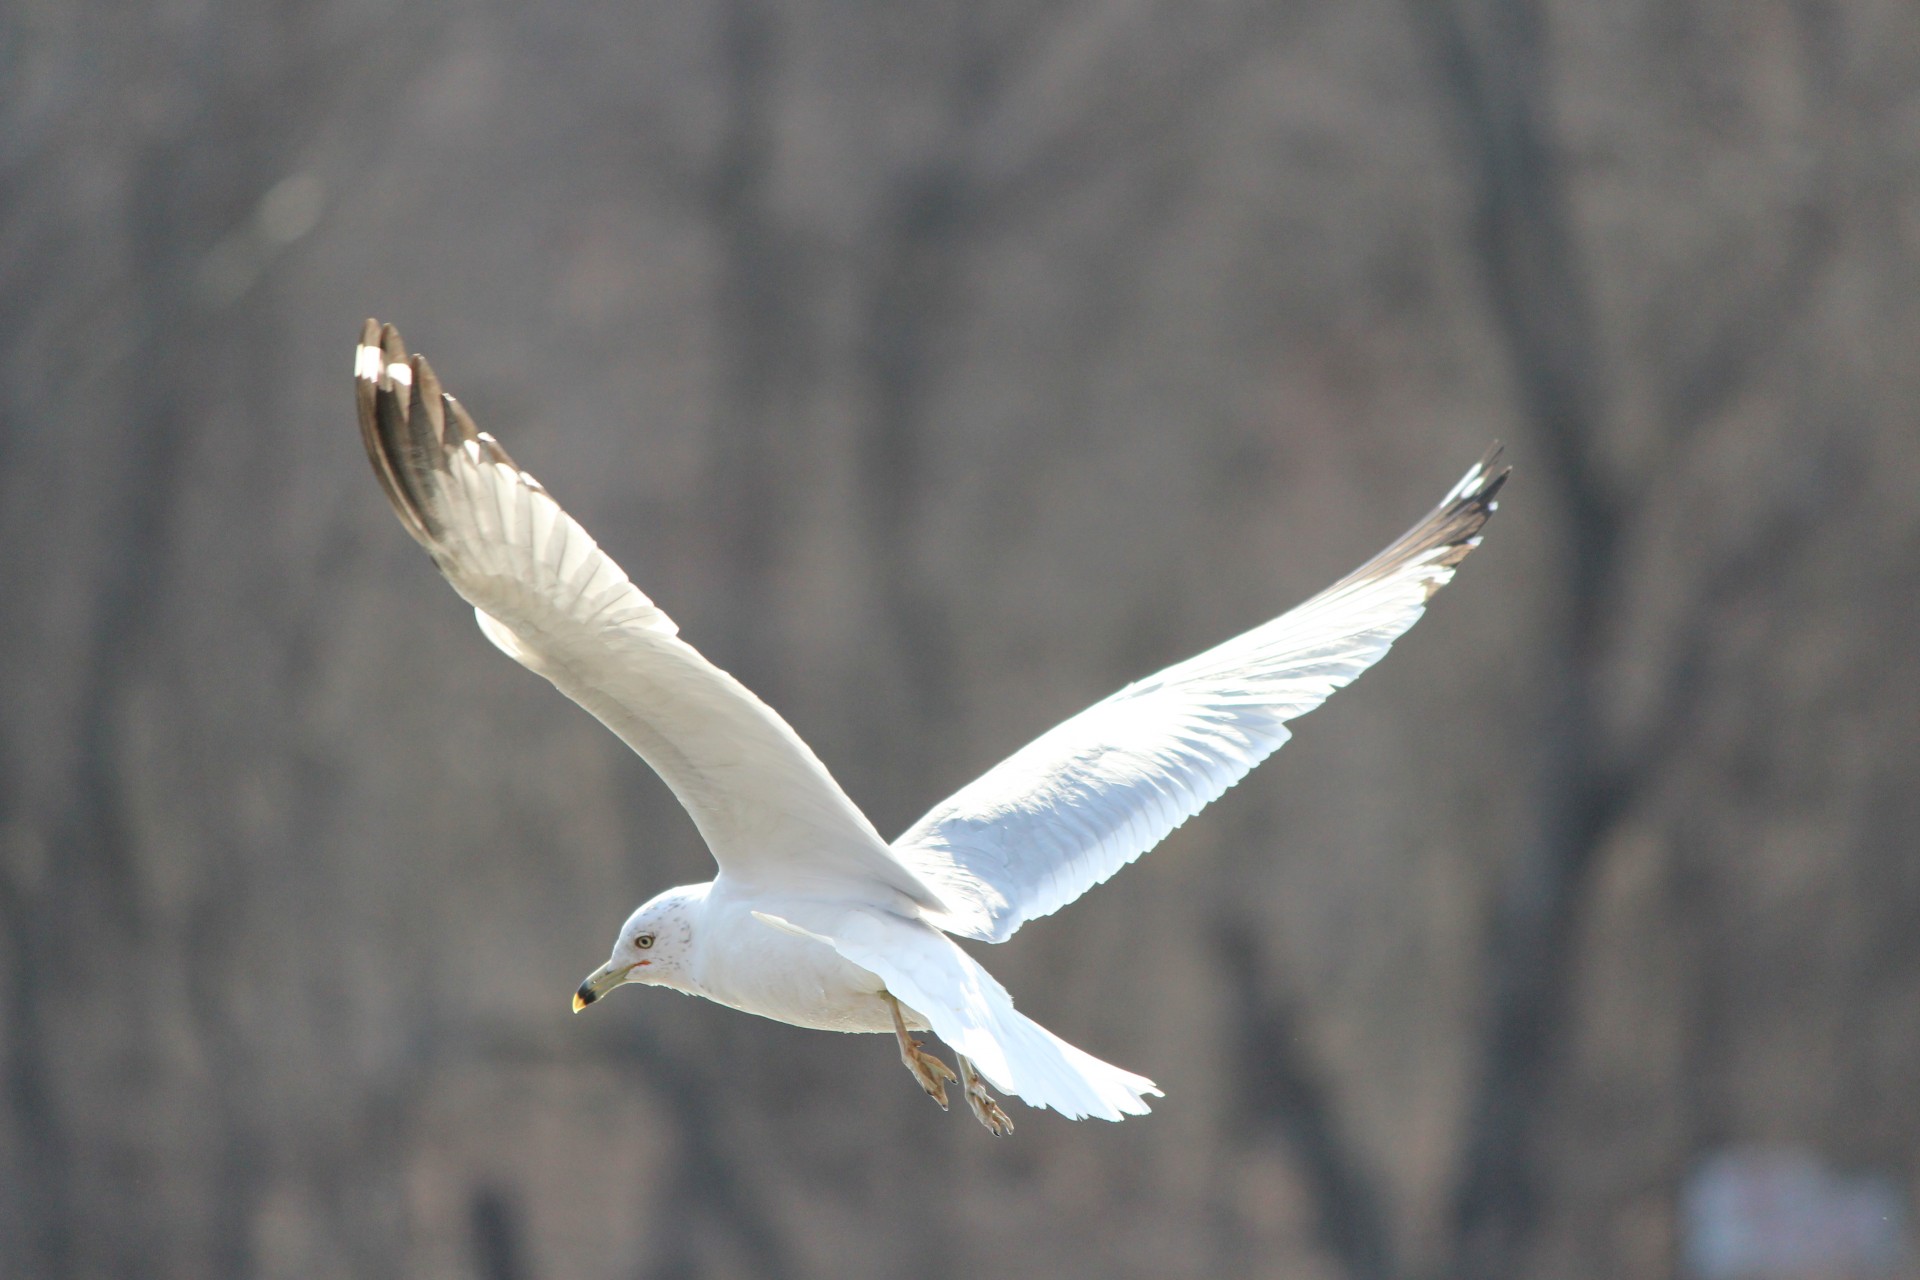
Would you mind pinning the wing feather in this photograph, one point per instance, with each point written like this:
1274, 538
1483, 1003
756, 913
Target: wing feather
1094, 793
546, 595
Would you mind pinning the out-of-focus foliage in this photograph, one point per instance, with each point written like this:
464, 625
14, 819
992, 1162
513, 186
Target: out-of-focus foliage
940, 367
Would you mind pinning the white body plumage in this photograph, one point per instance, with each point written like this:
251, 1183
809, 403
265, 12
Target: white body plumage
739, 960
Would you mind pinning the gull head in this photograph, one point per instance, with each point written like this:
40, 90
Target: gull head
653, 946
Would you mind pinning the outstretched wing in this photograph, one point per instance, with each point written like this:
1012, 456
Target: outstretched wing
1091, 795
552, 600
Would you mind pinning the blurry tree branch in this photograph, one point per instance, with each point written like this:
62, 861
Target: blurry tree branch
1495, 70
1493, 66
80, 909
757, 310
937, 212
84, 909
1708, 370
708, 1186
498, 1251
709, 1199
1117, 119
1281, 1091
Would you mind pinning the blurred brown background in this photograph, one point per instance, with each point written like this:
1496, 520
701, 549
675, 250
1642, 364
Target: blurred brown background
940, 367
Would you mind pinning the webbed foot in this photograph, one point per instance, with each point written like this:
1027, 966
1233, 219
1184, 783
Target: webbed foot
985, 1109
931, 1073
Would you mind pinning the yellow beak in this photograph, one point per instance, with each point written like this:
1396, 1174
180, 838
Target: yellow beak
598, 983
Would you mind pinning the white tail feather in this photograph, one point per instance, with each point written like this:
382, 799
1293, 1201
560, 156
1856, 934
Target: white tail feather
971, 1011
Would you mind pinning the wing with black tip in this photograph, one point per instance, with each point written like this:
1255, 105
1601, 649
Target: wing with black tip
552, 600
1094, 793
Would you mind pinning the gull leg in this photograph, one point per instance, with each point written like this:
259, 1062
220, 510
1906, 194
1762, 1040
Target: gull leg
927, 1069
985, 1109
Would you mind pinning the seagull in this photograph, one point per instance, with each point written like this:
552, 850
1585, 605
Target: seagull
813, 919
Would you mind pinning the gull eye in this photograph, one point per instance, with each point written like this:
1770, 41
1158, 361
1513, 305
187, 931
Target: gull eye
644, 942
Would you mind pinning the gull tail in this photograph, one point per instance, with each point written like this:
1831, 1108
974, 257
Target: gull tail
972, 1012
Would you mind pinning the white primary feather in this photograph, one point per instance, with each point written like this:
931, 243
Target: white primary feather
1094, 793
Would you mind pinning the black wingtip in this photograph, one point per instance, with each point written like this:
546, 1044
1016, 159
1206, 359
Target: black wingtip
1453, 528
372, 386
1449, 531
392, 429
426, 413
408, 422
1483, 483
394, 350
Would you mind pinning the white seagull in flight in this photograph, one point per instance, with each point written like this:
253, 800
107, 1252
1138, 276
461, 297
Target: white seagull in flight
814, 919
